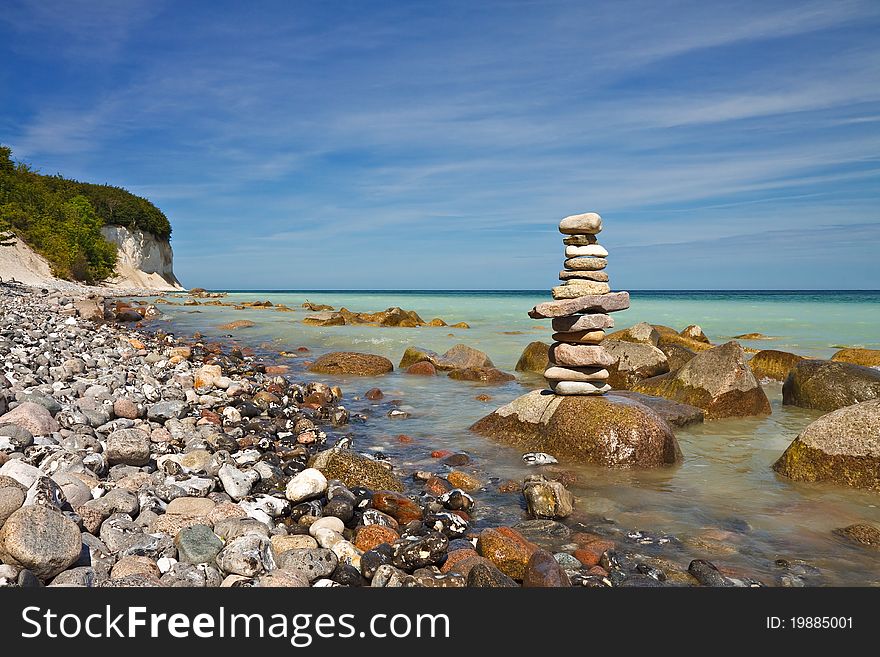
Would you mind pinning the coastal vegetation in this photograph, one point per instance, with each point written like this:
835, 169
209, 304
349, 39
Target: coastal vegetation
61, 219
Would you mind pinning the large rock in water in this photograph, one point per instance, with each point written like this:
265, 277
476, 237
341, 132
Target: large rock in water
718, 380
676, 414
842, 446
352, 469
352, 362
609, 431
457, 358
773, 364
866, 357
633, 362
642, 332
534, 358
41, 539
826, 385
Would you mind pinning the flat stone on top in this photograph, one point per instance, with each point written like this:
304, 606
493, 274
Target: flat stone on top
601, 303
576, 224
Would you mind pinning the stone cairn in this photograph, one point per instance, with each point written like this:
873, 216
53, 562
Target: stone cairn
580, 310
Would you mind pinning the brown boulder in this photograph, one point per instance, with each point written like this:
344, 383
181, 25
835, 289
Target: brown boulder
842, 446
642, 332
607, 430
718, 380
351, 362
773, 364
866, 357
534, 358
827, 385
422, 368
507, 549
324, 319
676, 355
482, 374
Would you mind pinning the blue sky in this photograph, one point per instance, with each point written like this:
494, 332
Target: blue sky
437, 144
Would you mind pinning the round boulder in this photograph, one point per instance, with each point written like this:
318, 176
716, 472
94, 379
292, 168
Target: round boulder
352, 362
717, 380
534, 358
41, 539
606, 430
866, 357
842, 446
827, 385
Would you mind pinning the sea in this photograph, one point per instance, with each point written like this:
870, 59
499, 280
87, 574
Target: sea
723, 503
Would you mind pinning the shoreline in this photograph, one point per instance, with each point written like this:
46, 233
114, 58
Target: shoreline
243, 428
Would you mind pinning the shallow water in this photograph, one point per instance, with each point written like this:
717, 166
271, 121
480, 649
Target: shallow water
724, 502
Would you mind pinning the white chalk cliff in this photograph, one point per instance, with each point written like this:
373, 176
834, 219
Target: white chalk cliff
144, 262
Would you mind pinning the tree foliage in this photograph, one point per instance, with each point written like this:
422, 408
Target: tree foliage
61, 219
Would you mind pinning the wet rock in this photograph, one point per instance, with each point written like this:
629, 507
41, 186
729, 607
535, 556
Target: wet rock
718, 380
413, 552
463, 481
544, 533
861, 534
370, 536
534, 358
197, 544
827, 385
447, 523
313, 564
608, 430
507, 549
352, 469
398, 506
842, 446
458, 357
457, 459
481, 374
41, 539
542, 570
128, 446
773, 364
547, 499
707, 574
422, 368
486, 575
353, 363
32, 417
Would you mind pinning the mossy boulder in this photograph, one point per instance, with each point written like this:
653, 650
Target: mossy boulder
677, 356
481, 374
718, 380
642, 333
534, 358
352, 362
828, 385
352, 469
458, 357
866, 357
676, 414
695, 332
669, 335
842, 447
606, 430
773, 364
634, 362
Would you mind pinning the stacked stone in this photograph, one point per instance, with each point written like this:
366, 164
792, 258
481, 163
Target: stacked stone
580, 310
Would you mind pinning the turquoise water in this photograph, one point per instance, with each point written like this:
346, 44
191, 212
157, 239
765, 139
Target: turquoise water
723, 503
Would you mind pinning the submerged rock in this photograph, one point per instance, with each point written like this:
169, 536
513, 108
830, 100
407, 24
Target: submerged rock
842, 446
611, 430
827, 385
481, 374
675, 413
718, 380
861, 534
350, 362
